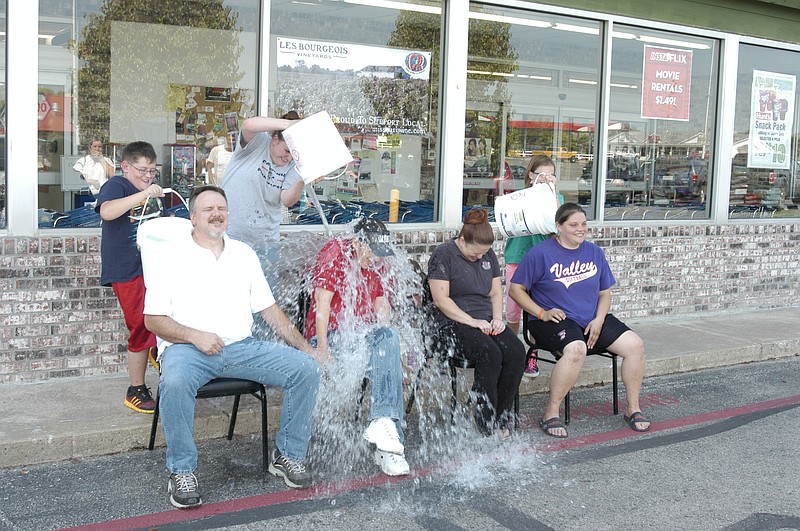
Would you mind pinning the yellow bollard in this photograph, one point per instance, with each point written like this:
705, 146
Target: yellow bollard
394, 205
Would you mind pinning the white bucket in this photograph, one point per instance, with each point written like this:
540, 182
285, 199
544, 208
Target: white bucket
316, 146
159, 236
526, 212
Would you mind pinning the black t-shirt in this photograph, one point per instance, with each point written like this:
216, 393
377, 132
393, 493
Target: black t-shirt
470, 282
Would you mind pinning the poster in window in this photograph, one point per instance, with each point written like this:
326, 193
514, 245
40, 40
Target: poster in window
666, 83
357, 80
771, 118
205, 115
231, 121
218, 94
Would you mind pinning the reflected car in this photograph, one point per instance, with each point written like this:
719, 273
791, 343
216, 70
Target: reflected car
625, 167
680, 180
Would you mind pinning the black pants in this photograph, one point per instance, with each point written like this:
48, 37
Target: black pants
499, 363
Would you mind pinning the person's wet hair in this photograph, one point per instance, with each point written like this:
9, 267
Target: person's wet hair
476, 229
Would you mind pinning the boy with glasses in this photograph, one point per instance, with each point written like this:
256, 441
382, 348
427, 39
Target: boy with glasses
124, 202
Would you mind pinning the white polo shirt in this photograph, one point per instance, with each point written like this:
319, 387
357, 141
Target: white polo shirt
214, 295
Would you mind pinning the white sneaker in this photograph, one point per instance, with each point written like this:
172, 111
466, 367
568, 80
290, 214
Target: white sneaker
383, 434
391, 464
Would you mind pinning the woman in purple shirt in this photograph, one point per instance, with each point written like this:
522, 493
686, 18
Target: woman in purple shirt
564, 283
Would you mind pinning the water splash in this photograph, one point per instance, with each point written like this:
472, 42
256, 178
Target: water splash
434, 433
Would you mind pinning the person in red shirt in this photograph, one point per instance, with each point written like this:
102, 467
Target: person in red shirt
348, 291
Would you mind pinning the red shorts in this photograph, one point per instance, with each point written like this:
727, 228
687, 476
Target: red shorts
131, 298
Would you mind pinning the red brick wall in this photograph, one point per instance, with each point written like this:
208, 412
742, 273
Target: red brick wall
56, 321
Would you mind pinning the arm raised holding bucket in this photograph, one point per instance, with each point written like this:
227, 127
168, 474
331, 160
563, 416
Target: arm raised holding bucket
261, 178
541, 168
278, 149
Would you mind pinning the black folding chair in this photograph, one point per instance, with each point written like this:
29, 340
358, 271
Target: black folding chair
531, 342
229, 387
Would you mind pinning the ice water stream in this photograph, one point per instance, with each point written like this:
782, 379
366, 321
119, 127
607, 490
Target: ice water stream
338, 451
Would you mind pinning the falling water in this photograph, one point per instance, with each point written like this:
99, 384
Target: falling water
433, 434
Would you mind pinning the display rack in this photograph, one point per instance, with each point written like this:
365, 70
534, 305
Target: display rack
181, 161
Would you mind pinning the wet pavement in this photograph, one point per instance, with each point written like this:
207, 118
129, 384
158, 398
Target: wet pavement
722, 454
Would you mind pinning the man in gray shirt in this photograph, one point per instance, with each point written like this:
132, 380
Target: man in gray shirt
259, 179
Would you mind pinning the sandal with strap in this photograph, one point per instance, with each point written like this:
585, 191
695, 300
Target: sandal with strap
637, 417
553, 424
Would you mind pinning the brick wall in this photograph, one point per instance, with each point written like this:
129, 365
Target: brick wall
56, 321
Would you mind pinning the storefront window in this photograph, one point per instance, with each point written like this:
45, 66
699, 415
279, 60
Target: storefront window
661, 125
764, 168
114, 71
374, 67
3, 180
531, 90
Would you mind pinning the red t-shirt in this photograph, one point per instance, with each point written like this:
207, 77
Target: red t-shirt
337, 269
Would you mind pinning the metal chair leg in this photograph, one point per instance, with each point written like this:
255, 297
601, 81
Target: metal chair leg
234, 413
361, 394
264, 429
614, 383
454, 388
155, 423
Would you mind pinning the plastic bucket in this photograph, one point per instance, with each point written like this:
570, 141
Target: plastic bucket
316, 146
526, 212
157, 237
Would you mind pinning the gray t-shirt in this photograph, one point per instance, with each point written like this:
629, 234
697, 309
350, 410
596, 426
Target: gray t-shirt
253, 185
470, 282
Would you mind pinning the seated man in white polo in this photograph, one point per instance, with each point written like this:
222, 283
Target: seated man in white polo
200, 304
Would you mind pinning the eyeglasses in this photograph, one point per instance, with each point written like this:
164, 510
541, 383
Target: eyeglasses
144, 171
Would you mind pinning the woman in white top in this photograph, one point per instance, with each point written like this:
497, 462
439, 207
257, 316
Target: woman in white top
95, 168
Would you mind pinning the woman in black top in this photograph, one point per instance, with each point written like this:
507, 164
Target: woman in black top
464, 277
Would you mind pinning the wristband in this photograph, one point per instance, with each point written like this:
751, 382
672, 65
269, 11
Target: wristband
541, 313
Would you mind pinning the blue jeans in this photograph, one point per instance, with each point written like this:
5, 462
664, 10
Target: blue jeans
184, 369
386, 374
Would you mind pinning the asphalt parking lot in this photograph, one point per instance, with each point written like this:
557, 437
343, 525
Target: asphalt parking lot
721, 455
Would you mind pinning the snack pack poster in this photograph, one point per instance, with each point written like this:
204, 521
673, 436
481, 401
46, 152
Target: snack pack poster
771, 118
666, 83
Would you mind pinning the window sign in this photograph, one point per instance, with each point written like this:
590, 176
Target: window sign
377, 96
368, 70
666, 82
771, 116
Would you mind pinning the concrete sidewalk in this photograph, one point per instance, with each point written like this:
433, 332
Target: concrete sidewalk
72, 418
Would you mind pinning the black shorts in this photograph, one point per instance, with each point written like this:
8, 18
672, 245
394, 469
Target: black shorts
552, 336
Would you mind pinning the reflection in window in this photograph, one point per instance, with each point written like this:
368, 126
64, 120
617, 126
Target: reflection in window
3, 180
764, 168
531, 90
115, 71
381, 88
661, 127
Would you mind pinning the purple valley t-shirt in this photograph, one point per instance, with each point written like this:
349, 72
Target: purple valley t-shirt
569, 279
